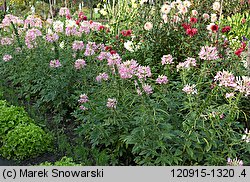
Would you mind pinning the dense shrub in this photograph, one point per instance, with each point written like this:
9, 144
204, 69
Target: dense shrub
10, 117
25, 141
65, 161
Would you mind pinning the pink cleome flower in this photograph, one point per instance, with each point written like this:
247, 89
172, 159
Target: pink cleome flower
7, 57
162, 79
80, 63
112, 103
55, 63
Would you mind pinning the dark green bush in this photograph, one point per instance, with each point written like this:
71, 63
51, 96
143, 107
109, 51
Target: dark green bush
25, 141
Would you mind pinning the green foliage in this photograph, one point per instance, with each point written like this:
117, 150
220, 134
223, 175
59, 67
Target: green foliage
239, 23
25, 141
10, 117
65, 161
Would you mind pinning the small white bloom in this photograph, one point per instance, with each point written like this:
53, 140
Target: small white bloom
213, 18
129, 46
62, 45
216, 6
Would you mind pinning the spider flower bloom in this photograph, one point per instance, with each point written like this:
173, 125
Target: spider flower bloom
190, 62
64, 11
162, 79
6, 41
128, 69
167, 59
77, 45
225, 79
113, 59
142, 72
7, 57
234, 162
55, 63
147, 89
208, 53
102, 76
246, 137
83, 99
111, 103
243, 85
80, 63
190, 89
52, 37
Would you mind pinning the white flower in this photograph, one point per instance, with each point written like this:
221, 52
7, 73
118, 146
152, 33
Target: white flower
103, 12
58, 26
129, 46
62, 45
194, 12
165, 9
213, 18
143, 1
216, 6
165, 18
148, 26
70, 23
186, 3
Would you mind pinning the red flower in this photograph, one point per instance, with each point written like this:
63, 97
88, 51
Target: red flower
214, 28
108, 48
191, 31
80, 15
193, 20
243, 45
85, 18
68, 16
78, 22
239, 51
112, 52
243, 20
129, 32
101, 27
186, 26
225, 29
90, 21
124, 32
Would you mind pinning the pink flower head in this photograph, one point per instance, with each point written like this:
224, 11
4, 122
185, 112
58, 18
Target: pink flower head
55, 63
167, 59
52, 37
128, 69
102, 56
190, 62
147, 89
190, 89
32, 21
102, 76
229, 95
234, 162
142, 72
7, 57
111, 103
208, 53
162, 79
80, 63
83, 108
83, 99
64, 11
6, 41
77, 45
148, 26
113, 59
225, 79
